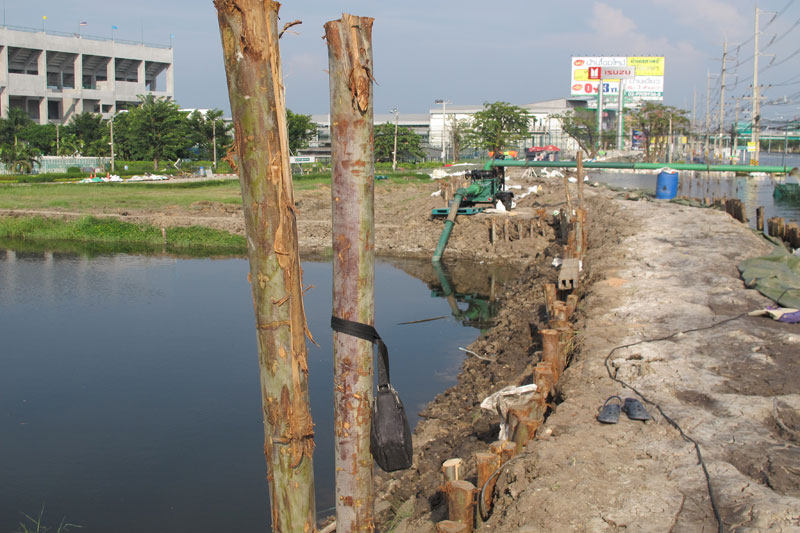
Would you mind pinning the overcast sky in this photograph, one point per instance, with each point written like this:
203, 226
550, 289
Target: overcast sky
465, 51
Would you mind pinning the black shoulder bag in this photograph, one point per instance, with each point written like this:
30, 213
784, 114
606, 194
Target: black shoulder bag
390, 435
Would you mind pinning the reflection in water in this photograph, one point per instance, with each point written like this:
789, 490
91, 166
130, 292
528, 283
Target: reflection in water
754, 191
129, 392
481, 309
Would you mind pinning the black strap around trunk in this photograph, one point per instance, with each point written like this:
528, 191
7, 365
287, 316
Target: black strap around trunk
368, 333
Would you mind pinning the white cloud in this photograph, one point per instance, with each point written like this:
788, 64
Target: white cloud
607, 20
715, 18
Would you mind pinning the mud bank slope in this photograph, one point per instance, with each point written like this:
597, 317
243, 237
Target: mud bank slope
658, 269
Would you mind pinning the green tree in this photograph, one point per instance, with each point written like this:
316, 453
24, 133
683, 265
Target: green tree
581, 124
41, 137
203, 127
653, 120
12, 126
301, 130
499, 125
19, 157
69, 144
458, 135
408, 143
92, 132
157, 129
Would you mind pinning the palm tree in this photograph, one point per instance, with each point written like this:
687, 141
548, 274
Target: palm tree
16, 120
20, 157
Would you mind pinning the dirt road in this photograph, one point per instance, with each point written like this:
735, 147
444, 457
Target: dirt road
653, 269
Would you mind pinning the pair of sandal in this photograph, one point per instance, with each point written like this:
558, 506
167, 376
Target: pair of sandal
609, 413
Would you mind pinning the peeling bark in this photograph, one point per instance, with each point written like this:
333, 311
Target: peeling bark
249, 33
352, 191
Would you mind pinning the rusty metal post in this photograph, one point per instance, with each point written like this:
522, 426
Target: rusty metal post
255, 85
352, 194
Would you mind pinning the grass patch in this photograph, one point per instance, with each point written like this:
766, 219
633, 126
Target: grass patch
103, 196
149, 196
36, 525
115, 233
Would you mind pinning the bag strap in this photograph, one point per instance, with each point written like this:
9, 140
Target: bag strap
368, 333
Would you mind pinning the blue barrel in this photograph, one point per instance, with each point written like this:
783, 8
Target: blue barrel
667, 185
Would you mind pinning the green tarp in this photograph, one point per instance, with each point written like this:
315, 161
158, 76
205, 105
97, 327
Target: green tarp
776, 276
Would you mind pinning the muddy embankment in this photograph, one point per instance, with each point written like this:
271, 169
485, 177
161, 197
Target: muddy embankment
652, 270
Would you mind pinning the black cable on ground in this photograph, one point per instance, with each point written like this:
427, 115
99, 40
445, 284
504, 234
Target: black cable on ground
674, 424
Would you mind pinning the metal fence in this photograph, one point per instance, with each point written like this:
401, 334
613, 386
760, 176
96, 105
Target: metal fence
60, 164
86, 36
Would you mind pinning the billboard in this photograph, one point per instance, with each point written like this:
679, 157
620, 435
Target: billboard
647, 83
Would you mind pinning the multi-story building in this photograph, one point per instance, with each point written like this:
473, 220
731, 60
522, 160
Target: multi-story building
55, 75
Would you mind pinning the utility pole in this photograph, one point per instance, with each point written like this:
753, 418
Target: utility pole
693, 125
112, 142
214, 140
708, 105
600, 112
722, 94
735, 144
669, 146
755, 135
444, 127
394, 152
620, 113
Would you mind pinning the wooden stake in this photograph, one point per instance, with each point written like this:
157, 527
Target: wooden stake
350, 70
572, 303
565, 335
582, 231
487, 464
448, 526
550, 299
580, 179
525, 431
505, 450
760, 218
451, 468
560, 310
566, 194
249, 32
544, 377
550, 349
460, 507
793, 235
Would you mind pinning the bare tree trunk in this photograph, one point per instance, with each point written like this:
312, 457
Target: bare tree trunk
252, 63
352, 191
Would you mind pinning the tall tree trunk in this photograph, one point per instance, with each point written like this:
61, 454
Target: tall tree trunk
350, 66
252, 63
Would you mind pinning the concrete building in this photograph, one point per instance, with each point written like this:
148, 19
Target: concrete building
55, 75
320, 144
544, 127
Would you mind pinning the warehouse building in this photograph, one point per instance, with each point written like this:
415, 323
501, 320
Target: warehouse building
55, 75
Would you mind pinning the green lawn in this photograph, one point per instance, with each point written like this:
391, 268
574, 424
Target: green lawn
102, 197
106, 196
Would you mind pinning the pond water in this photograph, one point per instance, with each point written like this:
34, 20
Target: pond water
129, 393
753, 191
